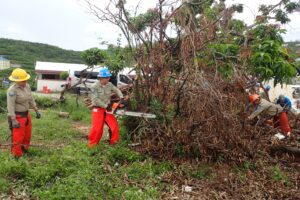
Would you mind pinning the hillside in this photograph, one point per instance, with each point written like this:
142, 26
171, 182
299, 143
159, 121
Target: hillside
294, 47
26, 53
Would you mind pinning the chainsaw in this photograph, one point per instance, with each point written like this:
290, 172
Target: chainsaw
115, 109
121, 112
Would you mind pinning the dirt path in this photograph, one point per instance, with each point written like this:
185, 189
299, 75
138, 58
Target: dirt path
84, 129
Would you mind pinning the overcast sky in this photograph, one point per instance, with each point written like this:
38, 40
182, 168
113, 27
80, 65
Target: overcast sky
67, 24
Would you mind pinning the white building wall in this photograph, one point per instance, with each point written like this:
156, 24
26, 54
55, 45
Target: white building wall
4, 64
286, 90
53, 85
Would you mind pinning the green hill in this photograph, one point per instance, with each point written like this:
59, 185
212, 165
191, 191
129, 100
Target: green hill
26, 53
294, 47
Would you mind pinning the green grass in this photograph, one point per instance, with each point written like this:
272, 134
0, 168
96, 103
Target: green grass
71, 170
278, 175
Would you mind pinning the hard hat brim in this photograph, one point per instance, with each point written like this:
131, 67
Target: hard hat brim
104, 76
19, 80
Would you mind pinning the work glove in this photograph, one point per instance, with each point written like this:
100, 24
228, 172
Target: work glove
15, 123
38, 115
123, 103
109, 107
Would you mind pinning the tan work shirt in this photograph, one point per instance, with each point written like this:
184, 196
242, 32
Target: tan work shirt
19, 99
267, 108
101, 94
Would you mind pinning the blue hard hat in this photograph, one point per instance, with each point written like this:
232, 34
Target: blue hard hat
267, 87
104, 73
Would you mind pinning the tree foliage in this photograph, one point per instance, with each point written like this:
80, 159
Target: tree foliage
269, 58
93, 56
202, 68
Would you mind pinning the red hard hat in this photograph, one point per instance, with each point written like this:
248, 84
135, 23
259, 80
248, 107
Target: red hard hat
253, 97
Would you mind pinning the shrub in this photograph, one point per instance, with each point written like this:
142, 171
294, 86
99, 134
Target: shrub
44, 102
2, 101
64, 75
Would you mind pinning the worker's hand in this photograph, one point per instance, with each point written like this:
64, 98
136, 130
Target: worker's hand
38, 114
109, 107
123, 103
15, 123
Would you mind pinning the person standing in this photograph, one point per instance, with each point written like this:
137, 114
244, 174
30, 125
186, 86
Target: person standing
19, 100
101, 92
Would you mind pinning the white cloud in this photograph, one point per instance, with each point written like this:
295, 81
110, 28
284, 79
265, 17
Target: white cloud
67, 24
14, 29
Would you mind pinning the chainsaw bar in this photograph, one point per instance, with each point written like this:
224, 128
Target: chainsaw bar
135, 114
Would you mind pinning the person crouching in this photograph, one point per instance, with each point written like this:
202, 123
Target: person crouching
263, 106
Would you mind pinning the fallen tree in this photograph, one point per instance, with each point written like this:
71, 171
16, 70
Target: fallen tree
197, 80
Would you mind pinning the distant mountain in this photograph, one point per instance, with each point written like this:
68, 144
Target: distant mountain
26, 53
294, 47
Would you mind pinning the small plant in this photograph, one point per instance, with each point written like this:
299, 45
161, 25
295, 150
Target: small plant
203, 172
249, 165
277, 175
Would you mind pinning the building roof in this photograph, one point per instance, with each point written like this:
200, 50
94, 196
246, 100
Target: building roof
57, 67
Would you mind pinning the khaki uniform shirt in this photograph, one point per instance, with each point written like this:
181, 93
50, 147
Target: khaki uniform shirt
263, 95
267, 108
101, 94
19, 99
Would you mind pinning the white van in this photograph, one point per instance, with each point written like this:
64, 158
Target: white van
90, 77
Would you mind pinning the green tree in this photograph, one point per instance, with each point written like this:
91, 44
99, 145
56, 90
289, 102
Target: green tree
93, 56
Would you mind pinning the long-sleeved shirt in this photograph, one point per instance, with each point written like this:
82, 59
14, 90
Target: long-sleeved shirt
286, 103
19, 99
101, 94
263, 95
267, 108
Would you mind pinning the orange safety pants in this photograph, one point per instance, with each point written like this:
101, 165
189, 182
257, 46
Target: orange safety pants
99, 117
21, 136
282, 121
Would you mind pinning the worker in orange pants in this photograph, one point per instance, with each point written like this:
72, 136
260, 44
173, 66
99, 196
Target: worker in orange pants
265, 107
101, 92
21, 136
19, 100
99, 117
112, 123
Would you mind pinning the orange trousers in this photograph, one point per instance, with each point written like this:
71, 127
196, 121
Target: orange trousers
99, 117
282, 121
21, 136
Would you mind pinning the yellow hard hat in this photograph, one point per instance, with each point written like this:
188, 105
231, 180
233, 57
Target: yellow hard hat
19, 75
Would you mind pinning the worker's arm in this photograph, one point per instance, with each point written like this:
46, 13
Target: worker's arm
288, 103
117, 91
258, 110
11, 102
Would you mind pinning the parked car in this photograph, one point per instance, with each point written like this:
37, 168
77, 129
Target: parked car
90, 76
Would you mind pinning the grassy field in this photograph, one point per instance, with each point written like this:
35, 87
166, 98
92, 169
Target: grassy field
62, 167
